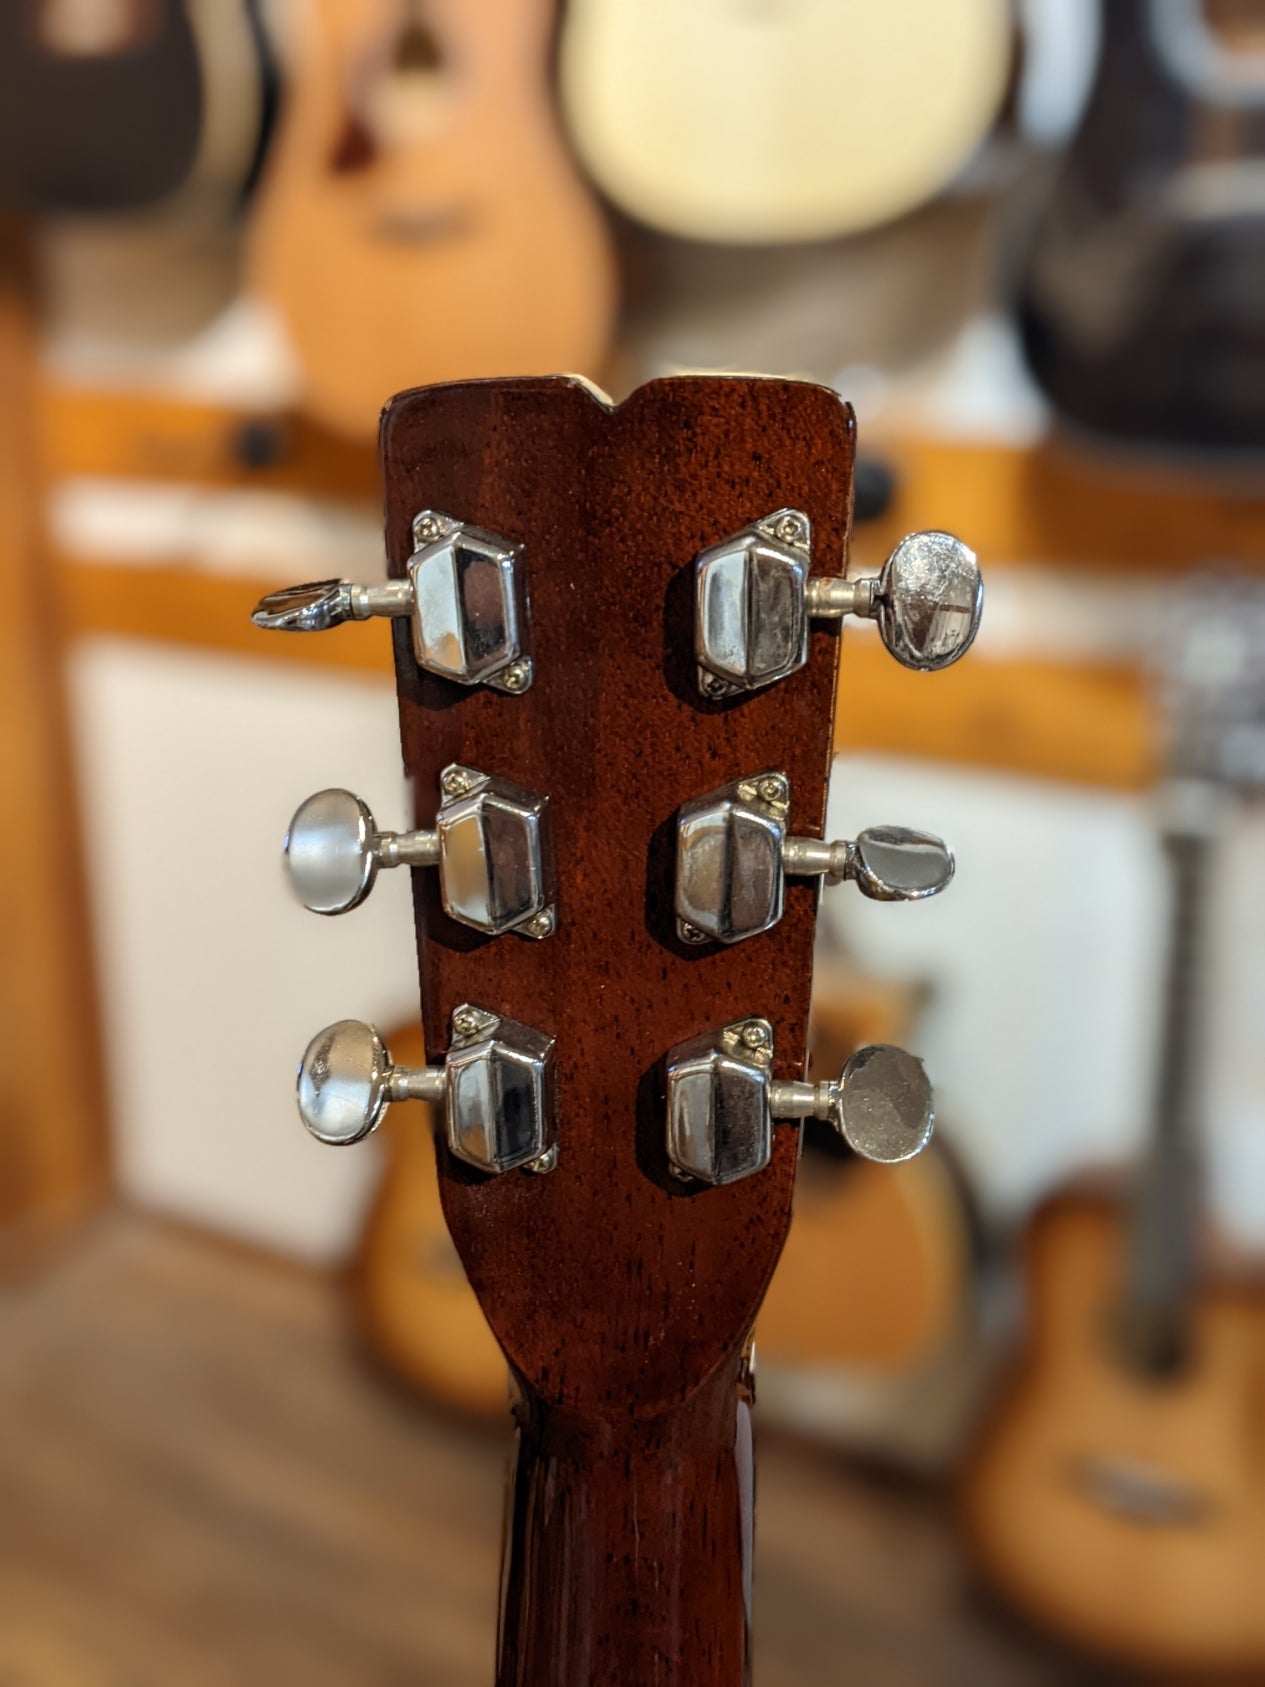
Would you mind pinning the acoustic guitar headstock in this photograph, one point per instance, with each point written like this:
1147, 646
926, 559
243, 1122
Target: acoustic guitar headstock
617, 630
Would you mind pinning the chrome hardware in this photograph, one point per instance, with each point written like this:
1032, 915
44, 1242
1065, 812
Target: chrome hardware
463, 592
733, 856
492, 844
723, 1100
754, 597
495, 1086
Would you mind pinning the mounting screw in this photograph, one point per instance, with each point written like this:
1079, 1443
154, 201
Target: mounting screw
540, 925
546, 1162
457, 781
516, 677
468, 1023
755, 1035
426, 529
773, 788
691, 934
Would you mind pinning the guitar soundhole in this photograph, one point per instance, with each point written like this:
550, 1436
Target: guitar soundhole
90, 29
398, 97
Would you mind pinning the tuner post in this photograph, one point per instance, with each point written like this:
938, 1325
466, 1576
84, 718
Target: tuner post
495, 1086
722, 1102
755, 596
734, 855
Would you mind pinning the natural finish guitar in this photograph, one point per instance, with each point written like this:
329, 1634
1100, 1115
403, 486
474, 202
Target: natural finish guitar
1118, 1495
754, 121
419, 219
616, 680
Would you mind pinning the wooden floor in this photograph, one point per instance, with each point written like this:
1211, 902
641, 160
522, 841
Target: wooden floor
203, 1484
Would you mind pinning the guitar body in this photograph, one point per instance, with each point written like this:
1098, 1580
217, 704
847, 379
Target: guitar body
896, 1237
410, 1296
742, 121
425, 225
1127, 1513
96, 122
1141, 303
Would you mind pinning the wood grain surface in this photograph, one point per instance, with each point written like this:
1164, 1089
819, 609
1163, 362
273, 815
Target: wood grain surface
621, 1297
202, 1486
54, 1154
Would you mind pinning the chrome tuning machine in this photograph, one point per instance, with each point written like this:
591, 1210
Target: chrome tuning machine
733, 856
492, 844
462, 591
722, 1101
495, 1086
755, 595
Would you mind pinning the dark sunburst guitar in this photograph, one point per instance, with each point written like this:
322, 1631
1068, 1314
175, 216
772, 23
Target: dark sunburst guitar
616, 642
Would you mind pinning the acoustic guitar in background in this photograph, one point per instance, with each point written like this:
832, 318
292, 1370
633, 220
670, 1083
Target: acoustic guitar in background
144, 280
898, 1238
616, 661
100, 103
1142, 299
420, 219
763, 121
1117, 1496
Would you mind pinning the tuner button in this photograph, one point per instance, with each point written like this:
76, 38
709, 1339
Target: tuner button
722, 1101
897, 864
495, 1085
884, 1108
463, 594
928, 600
733, 854
311, 608
492, 843
329, 852
344, 1083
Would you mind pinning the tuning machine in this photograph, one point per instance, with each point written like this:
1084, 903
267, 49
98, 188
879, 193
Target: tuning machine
755, 595
492, 844
463, 592
733, 856
722, 1101
495, 1086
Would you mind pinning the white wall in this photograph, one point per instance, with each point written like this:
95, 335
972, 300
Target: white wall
1044, 954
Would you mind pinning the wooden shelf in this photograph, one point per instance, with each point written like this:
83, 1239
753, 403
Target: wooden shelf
1048, 507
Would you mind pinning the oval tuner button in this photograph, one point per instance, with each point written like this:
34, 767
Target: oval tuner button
897, 864
344, 1083
329, 852
883, 1105
928, 600
311, 608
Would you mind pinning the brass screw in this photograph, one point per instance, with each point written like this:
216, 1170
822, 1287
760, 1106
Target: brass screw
457, 781
467, 1023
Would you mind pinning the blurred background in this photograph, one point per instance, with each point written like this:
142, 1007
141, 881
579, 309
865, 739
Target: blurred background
1012, 1395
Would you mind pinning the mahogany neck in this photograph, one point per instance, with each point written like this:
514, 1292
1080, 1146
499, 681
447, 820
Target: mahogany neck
628, 1544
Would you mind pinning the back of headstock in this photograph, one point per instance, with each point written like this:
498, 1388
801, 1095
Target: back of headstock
655, 728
